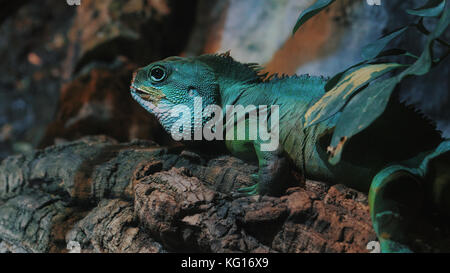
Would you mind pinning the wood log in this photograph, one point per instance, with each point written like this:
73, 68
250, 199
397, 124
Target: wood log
105, 196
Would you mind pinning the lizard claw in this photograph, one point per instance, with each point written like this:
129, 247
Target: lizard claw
248, 191
245, 192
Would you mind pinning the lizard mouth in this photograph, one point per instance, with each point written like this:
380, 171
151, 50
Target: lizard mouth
144, 94
148, 93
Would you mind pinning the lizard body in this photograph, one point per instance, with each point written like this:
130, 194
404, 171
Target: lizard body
391, 160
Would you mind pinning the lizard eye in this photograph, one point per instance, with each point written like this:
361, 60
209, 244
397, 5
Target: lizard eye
157, 74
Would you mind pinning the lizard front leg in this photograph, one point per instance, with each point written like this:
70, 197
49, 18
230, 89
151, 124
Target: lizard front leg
274, 173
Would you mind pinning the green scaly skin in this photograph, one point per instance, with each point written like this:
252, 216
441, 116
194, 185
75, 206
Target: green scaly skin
401, 160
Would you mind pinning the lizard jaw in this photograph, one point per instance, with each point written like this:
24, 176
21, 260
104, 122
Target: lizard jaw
149, 94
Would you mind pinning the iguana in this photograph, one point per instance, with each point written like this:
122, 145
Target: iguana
401, 159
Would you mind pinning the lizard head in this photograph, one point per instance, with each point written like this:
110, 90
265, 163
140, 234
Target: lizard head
163, 85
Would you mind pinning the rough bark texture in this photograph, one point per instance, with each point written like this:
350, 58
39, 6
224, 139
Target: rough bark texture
140, 197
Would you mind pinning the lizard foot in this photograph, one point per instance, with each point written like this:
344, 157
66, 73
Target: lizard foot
252, 190
248, 191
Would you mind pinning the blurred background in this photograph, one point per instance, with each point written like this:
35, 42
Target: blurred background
65, 70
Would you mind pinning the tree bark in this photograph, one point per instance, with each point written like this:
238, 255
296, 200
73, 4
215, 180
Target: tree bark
141, 197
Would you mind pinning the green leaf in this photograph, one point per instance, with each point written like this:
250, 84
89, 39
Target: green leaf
352, 81
432, 8
317, 7
442, 25
374, 49
424, 63
331, 83
360, 112
370, 103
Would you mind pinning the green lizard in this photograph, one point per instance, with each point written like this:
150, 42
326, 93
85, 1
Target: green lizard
401, 159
